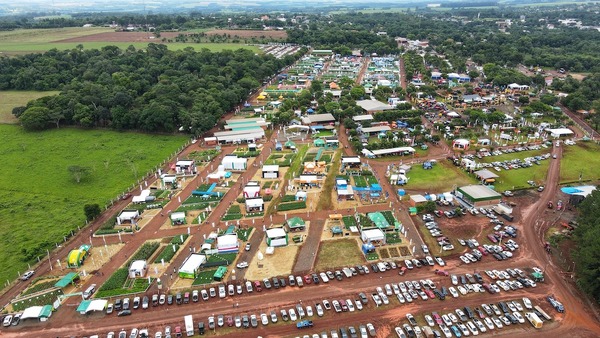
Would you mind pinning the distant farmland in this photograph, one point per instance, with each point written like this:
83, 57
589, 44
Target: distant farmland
40, 40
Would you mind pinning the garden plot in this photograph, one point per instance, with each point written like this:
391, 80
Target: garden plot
337, 253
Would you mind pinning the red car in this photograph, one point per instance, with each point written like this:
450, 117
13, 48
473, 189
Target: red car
307, 279
257, 286
429, 293
441, 272
483, 250
492, 238
229, 321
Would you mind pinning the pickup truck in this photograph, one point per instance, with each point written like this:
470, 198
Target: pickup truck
304, 324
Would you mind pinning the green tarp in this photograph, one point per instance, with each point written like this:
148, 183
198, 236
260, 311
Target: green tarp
379, 220
82, 308
66, 280
295, 222
46, 311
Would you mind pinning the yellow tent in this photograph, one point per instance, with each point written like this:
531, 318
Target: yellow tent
260, 97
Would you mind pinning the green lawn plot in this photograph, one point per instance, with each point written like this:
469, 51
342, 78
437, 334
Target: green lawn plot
442, 177
349, 221
16, 98
119, 283
581, 159
337, 253
204, 277
517, 179
37, 190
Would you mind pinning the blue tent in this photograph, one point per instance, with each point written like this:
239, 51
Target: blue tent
310, 110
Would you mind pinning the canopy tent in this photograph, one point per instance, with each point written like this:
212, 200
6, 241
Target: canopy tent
277, 237
255, 204
378, 219
178, 218
138, 269
40, 312
67, 279
92, 305
127, 215
296, 224
372, 235
301, 195
319, 142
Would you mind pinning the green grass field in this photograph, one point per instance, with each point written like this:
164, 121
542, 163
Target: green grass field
511, 179
442, 177
337, 253
40, 202
23, 41
12, 98
584, 159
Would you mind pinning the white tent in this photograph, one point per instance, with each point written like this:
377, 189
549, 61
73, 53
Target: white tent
255, 203
276, 237
190, 267
301, 195
251, 190
138, 269
32, 312
232, 162
372, 235
127, 215
169, 179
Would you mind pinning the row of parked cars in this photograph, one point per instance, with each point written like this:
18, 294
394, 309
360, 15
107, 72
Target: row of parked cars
363, 331
465, 321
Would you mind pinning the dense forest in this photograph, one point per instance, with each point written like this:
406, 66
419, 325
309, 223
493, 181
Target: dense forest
154, 90
587, 236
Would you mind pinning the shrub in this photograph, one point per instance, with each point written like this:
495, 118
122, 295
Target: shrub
288, 198
144, 252
267, 198
241, 200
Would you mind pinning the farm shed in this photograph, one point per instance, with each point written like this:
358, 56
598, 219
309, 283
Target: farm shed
560, 132
485, 176
76, 257
376, 129
228, 243
138, 269
362, 118
373, 105
372, 235
232, 162
277, 237
270, 171
318, 118
255, 204
478, 195
295, 224
251, 190
417, 199
128, 216
191, 266
177, 218
388, 151
240, 135
143, 196
351, 161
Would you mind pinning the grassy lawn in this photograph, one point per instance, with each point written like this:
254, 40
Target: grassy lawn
14, 98
38, 192
583, 158
338, 253
442, 177
511, 179
205, 277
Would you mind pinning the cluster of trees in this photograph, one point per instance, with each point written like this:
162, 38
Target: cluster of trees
587, 237
154, 90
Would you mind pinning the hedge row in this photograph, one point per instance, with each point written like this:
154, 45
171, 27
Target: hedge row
291, 206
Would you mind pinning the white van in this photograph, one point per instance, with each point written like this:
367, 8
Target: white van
381, 267
89, 292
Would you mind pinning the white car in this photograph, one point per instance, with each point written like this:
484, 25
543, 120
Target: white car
292, 314
409, 264
242, 265
527, 303
447, 320
7, 320
309, 311
429, 320
402, 287
395, 288
324, 277
453, 292
497, 322
519, 317
350, 305
319, 310
462, 290
429, 260
264, 319
464, 259
489, 323
446, 331
425, 248
401, 298
454, 280
440, 261
222, 293
388, 290
358, 304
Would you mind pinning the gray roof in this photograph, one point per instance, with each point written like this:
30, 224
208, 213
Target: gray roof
318, 118
478, 191
373, 105
485, 174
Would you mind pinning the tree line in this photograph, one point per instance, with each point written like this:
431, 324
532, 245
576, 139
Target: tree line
152, 90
